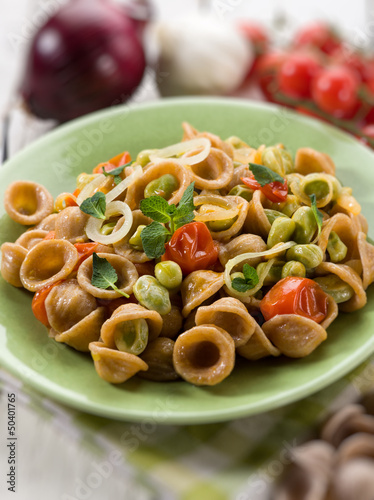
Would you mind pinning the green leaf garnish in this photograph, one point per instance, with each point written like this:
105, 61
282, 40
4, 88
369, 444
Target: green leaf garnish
104, 275
317, 214
264, 175
249, 281
369, 240
95, 206
154, 238
156, 208
116, 172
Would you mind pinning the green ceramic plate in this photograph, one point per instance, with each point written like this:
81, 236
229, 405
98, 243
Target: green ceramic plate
68, 376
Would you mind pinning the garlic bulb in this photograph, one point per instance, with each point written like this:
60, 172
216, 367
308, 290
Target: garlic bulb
200, 56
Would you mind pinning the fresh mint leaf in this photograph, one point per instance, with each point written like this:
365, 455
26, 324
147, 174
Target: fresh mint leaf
95, 206
264, 175
240, 285
156, 208
250, 275
154, 238
182, 216
187, 198
104, 275
116, 172
317, 214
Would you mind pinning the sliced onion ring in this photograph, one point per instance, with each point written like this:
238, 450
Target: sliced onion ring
273, 252
89, 189
94, 225
184, 147
112, 195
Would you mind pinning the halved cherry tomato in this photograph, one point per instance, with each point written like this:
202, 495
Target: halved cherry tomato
192, 247
274, 191
38, 304
85, 250
293, 295
50, 236
113, 163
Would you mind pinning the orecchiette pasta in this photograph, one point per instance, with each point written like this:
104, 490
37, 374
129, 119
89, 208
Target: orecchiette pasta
169, 265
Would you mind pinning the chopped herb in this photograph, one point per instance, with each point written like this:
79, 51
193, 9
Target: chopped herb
249, 281
116, 172
264, 175
104, 275
95, 206
317, 214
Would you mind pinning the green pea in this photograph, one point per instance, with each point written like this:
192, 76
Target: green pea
220, 225
274, 274
281, 231
136, 240
288, 164
143, 157
152, 295
108, 228
293, 268
273, 214
131, 336
243, 191
310, 255
305, 225
163, 186
336, 248
272, 159
339, 290
169, 274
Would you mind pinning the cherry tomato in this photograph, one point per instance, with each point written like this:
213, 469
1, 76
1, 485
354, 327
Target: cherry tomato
319, 35
192, 247
274, 191
266, 71
296, 74
351, 59
50, 236
295, 295
85, 250
113, 163
335, 91
38, 304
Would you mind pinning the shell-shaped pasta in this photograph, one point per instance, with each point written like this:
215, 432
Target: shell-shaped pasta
70, 225
242, 244
126, 272
204, 355
366, 251
301, 189
347, 274
294, 335
159, 357
308, 161
115, 366
360, 222
128, 312
256, 221
48, 223
197, 287
344, 227
67, 304
230, 315
332, 312
227, 202
215, 172
258, 346
83, 333
124, 248
135, 192
239, 172
189, 132
12, 257
31, 237
27, 202
244, 155
172, 323
47, 262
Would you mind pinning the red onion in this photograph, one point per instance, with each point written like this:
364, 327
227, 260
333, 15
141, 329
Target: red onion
86, 57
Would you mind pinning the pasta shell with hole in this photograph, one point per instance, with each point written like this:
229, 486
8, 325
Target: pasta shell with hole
48, 262
230, 315
347, 274
126, 272
258, 346
343, 226
128, 312
48, 223
12, 257
124, 248
31, 237
83, 333
197, 287
309, 161
70, 225
27, 202
239, 172
189, 132
242, 244
256, 221
135, 192
215, 172
115, 366
204, 355
295, 336
366, 251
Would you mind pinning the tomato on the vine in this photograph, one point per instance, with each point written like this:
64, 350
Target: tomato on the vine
296, 74
274, 191
266, 71
319, 35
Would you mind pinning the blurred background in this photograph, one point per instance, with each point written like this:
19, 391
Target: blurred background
60, 59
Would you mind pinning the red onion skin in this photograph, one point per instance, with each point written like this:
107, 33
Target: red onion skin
86, 57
